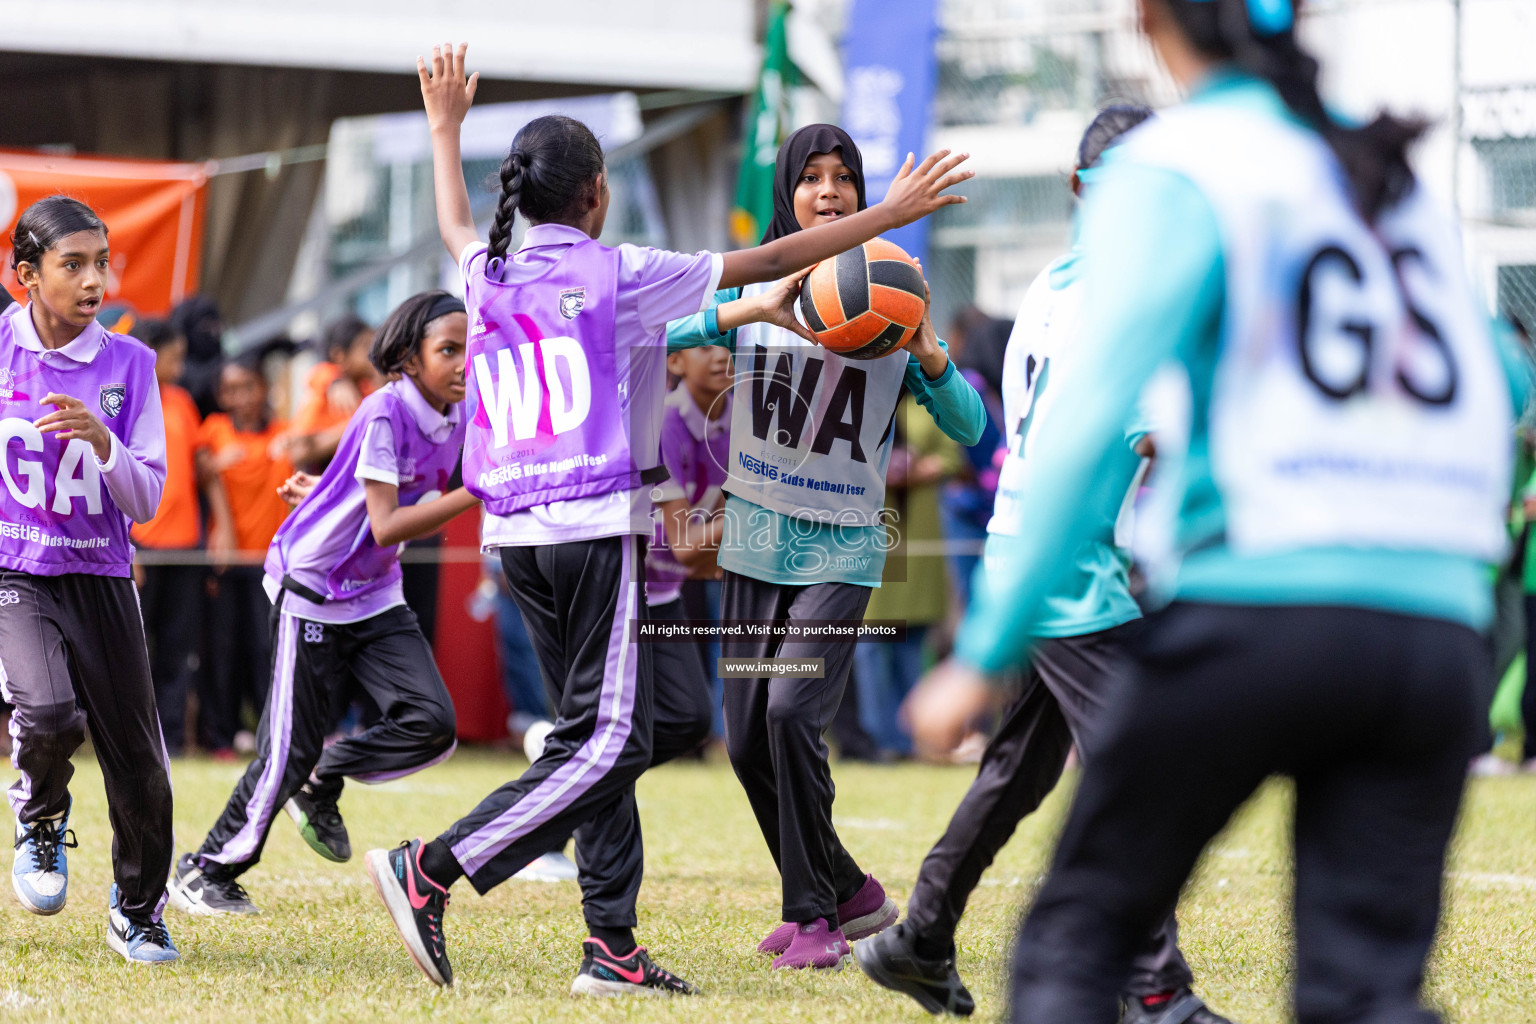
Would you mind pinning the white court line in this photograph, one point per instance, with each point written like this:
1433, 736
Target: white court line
1493, 878
873, 824
14, 999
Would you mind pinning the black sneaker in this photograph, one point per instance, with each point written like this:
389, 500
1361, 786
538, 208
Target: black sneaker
320, 823
206, 890
603, 974
416, 905
891, 959
1181, 1007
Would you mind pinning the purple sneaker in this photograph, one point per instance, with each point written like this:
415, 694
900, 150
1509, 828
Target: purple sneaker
816, 945
869, 911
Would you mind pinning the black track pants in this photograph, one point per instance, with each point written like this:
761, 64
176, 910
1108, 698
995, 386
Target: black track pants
1373, 714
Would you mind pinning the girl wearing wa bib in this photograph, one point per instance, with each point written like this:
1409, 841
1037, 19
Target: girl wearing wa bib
804, 541
566, 378
1339, 493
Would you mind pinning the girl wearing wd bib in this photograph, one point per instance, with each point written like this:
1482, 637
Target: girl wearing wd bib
567, 377
805, 555
1340, 492
84, 455
339, 616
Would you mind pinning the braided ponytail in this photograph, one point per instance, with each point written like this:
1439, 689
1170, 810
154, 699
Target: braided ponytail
1374, 157
554, 163
512, 171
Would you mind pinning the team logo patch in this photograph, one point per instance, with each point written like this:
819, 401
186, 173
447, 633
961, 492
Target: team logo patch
112, 398
314, 633
7, 378
571, 301
9, 597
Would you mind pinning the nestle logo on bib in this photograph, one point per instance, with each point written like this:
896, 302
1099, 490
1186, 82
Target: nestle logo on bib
571, 302
112, 398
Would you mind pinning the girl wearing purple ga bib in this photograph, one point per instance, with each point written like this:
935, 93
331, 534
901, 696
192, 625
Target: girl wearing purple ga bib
566, 379
340, 619
84, 453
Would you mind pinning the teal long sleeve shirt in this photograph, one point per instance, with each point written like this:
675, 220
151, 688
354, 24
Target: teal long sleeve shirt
776, 548
1156, 291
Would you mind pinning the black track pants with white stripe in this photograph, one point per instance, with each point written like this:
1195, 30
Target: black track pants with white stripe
388, 657
580, 601
72, 654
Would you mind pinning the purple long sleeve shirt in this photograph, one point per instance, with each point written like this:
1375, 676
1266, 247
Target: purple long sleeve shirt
62, 509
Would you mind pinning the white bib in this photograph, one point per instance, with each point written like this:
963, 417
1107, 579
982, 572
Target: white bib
1048, 319
811, 431
1358, 399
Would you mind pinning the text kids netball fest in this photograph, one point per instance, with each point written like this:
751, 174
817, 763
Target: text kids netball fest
761, 510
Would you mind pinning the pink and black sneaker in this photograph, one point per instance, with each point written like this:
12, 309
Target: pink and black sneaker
603, 974
415, 904
816, 945
868, 912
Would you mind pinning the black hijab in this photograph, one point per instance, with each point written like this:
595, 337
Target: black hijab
797, 149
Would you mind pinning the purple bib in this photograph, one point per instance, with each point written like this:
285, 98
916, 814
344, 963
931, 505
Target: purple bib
548, 386
56, 515
327, 543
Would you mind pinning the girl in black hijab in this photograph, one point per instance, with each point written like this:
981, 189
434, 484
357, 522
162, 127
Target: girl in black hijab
811, 437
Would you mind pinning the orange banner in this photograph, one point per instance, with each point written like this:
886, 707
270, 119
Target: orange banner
153, 211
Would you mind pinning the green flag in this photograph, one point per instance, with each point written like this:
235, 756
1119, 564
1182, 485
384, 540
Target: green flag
767, 128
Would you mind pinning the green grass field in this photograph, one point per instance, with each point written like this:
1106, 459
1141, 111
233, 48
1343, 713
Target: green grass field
323, 949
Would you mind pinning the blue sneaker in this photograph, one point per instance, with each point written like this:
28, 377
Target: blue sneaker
140, 942
40, 874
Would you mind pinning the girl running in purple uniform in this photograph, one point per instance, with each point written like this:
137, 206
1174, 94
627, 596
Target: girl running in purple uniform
339, 614
567, 369
84, 454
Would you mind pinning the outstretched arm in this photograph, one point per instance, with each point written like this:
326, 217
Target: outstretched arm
914, 194
447, 96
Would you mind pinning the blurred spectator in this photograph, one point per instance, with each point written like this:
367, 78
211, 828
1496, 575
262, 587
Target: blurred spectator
332, 393
243, 447
171, 596
914, 588
198, 320
976, 344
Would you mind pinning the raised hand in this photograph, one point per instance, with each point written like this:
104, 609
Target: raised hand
71, 419
916, 193
444, 91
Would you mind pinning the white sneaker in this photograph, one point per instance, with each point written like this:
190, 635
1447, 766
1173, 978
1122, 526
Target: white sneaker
1489, 765
552, 867
533, 739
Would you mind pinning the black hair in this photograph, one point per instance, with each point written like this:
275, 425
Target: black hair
545, 175
253, 360
198, 320
1374, 157
339, 334
1105, 130
45, 222
399, 336
155, 333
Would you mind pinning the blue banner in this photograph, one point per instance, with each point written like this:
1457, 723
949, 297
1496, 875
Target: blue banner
889, 72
